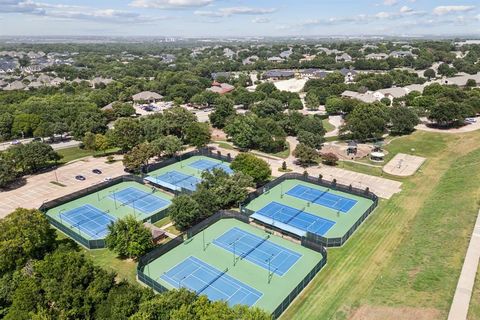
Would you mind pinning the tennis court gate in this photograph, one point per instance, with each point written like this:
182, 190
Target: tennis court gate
312, 240
88, 243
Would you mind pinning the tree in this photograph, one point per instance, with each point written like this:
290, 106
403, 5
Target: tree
127, 237
122, 302
167, 146
448, 113
8, 173
177, 120
367, 121
127, 133
102, 143
184, 211
311, 101
198, 134
403, 120
429, 73
33, 156
310, 139
89, 141
252, 166
223, 110
295, 104
305, 154
471, 83
122, 109
138, 157
445, 70
24, 235
329, 158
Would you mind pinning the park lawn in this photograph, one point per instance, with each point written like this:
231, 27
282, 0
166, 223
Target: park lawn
74, 153
474, 311
104, 258
327, 125
283, 154
410, 251
225, 145
124, 268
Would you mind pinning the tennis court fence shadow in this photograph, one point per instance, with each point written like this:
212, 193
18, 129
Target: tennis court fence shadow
143, 272
312, 240
77, 236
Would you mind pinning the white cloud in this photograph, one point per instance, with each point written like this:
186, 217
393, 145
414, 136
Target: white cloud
261, 20
405, 9
226, 12
170, 4
71, 12
382, 15
390, 2
441, 10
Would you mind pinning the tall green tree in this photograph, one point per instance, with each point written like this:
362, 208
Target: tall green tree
129, 238
127, 133
252, 166
184, 211
198, 134
24, 235
138, 157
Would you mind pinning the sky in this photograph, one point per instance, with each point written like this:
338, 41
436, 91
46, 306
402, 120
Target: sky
234, 18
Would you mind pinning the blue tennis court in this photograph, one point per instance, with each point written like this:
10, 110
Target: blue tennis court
175, 180
140, 200
202, 278
296, 218
324, 198
89, 220
260, 251
205, 164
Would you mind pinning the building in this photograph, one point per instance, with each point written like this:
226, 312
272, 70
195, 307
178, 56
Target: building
349, 74
275, 59
278, 74
147, 96
376, 56
344, 57
401, 54
221, 88
15, 85
313, 73
367, 97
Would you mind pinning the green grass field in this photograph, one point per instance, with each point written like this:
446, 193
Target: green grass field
102, 200
327, 125
245, 271
409, 253
343, 221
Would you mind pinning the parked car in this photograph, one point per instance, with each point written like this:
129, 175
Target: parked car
97, 171
15, 142
80, 178
470, 120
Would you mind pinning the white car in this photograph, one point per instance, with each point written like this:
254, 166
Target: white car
470, 120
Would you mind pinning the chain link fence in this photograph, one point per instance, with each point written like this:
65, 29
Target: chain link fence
312, 240
78, 235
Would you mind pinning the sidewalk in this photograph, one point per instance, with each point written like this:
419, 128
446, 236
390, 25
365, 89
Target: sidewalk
463, 293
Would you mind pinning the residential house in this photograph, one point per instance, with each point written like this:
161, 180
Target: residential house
349, 74
313, 73
278, 74
250, 60
376, 56
221, 88
367, 97
275, 59
401, 54
286, 54
344, 57
16, 85
147, 96
95, 82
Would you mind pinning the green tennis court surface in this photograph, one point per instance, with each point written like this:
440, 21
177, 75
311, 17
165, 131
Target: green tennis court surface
297, 206
207, 265
90, 215
187, 173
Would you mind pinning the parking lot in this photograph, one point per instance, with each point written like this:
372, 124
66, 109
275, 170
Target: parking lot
42, 187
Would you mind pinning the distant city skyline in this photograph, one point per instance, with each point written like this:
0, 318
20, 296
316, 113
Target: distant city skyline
220, 18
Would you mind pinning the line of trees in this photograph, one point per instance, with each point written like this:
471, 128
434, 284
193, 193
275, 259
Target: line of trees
45, 278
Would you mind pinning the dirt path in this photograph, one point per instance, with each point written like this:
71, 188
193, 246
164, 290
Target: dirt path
336, 121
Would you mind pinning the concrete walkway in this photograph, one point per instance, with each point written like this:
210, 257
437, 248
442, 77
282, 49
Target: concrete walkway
463, 293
